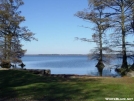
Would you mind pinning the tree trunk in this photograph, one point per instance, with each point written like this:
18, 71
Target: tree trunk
100, 67
124, 61
5, 47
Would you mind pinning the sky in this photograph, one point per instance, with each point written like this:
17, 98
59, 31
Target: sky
56, 27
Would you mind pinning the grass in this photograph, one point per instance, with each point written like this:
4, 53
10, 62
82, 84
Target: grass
25, 86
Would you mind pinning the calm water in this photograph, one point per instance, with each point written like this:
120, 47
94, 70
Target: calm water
60, 64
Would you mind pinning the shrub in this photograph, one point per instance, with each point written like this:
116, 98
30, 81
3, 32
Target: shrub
5, 64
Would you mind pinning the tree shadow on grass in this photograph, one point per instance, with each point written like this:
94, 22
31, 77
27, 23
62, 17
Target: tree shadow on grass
21, 84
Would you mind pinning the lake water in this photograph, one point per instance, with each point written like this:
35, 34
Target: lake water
66, 64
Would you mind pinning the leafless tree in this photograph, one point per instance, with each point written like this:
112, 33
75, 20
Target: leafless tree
95, 14
121, 16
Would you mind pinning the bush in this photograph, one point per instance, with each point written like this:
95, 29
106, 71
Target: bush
5, 64
131, 67
121, 71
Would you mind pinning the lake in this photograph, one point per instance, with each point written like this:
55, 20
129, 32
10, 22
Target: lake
66, 64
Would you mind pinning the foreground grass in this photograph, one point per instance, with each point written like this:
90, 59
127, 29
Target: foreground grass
25, 86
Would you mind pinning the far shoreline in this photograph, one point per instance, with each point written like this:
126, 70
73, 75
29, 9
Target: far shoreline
57, 54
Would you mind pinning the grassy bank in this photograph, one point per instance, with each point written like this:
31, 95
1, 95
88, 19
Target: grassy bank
25, 86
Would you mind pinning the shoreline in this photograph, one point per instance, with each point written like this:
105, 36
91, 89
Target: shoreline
59, 75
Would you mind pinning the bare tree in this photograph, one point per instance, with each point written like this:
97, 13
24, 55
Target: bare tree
95, 14
121, 16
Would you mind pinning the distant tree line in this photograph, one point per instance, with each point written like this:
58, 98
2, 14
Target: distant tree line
11, 33
114, 18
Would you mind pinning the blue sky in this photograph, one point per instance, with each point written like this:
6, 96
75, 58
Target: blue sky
56, 27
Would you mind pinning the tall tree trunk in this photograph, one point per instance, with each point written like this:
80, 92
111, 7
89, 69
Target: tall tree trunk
5, 47
100, 39
100, 65
9, 47
124, 61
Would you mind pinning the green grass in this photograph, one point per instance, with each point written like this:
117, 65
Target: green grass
26, 86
